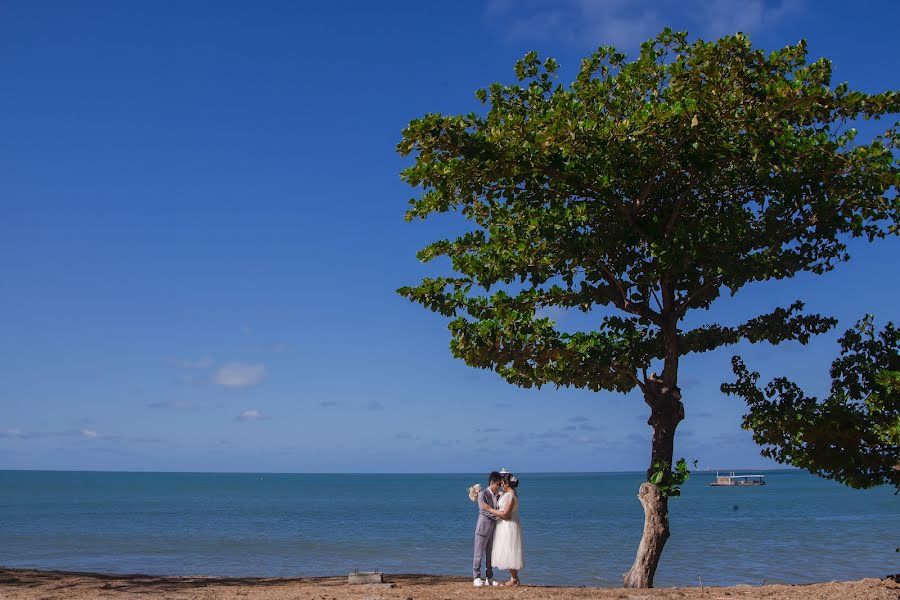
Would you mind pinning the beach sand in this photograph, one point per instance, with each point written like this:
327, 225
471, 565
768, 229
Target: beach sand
32, 585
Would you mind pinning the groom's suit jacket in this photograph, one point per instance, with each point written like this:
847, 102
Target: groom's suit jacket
486, 521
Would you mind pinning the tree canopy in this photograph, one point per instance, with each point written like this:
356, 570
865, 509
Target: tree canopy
651, 186
852, 435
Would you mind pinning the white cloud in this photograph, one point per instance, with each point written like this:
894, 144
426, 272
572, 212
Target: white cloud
250, 415
625, 24
239, 375
726, 17
93, 434
596, 22
554, 313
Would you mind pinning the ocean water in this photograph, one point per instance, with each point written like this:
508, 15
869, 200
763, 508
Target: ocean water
579, 528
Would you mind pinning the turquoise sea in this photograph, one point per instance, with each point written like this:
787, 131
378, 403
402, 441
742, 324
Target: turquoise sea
580, 528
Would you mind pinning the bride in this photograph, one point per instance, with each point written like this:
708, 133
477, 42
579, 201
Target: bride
507, 552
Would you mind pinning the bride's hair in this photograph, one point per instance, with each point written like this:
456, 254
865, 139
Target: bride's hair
511, 480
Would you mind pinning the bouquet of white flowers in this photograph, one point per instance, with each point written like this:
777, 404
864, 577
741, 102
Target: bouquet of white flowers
474, 491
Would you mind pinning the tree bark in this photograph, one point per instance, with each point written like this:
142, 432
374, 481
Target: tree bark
656, 532
666, 412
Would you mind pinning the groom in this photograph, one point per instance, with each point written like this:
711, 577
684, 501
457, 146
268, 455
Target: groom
484, 531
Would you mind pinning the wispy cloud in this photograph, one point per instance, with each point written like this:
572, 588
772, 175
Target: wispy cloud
580, 22
176, 404
204, 362
87, 435
405, 435
147, 440
688, 383
330, 403
733, 439
627, 23
578, 419
250, 415
18, 434
637, 438
554, 313
239, 375
444, 443
375, 405
270, 348
93, 434
539, 438
725, 17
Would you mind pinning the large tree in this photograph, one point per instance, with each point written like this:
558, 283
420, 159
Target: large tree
644, 190
853, 434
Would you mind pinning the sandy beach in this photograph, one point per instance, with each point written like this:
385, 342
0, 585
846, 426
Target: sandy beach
20, 584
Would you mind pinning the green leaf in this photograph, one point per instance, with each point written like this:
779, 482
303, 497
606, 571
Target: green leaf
853, 434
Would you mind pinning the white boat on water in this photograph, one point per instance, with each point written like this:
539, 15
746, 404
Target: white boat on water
738, 480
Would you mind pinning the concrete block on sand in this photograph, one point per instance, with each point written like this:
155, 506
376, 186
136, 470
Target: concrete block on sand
357, 578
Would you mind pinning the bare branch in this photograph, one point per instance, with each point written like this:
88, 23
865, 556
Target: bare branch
641, 309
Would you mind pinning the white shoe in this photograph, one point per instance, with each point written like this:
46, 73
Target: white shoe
490, 581
478, 582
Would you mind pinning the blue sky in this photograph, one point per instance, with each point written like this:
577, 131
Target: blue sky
201, 233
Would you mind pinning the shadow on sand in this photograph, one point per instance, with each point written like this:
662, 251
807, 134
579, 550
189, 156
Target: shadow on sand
61, 580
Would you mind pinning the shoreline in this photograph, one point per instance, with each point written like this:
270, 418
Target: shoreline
32, 584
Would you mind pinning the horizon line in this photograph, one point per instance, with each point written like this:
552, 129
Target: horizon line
161, 472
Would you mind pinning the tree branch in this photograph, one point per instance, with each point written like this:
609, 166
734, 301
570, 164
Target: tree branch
639, 309
706, 287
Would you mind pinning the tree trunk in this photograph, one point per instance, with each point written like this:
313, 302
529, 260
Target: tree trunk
667, 412
656, 532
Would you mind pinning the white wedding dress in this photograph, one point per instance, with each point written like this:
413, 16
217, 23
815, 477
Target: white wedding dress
507, 552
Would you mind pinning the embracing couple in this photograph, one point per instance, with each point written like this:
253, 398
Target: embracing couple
498, 532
